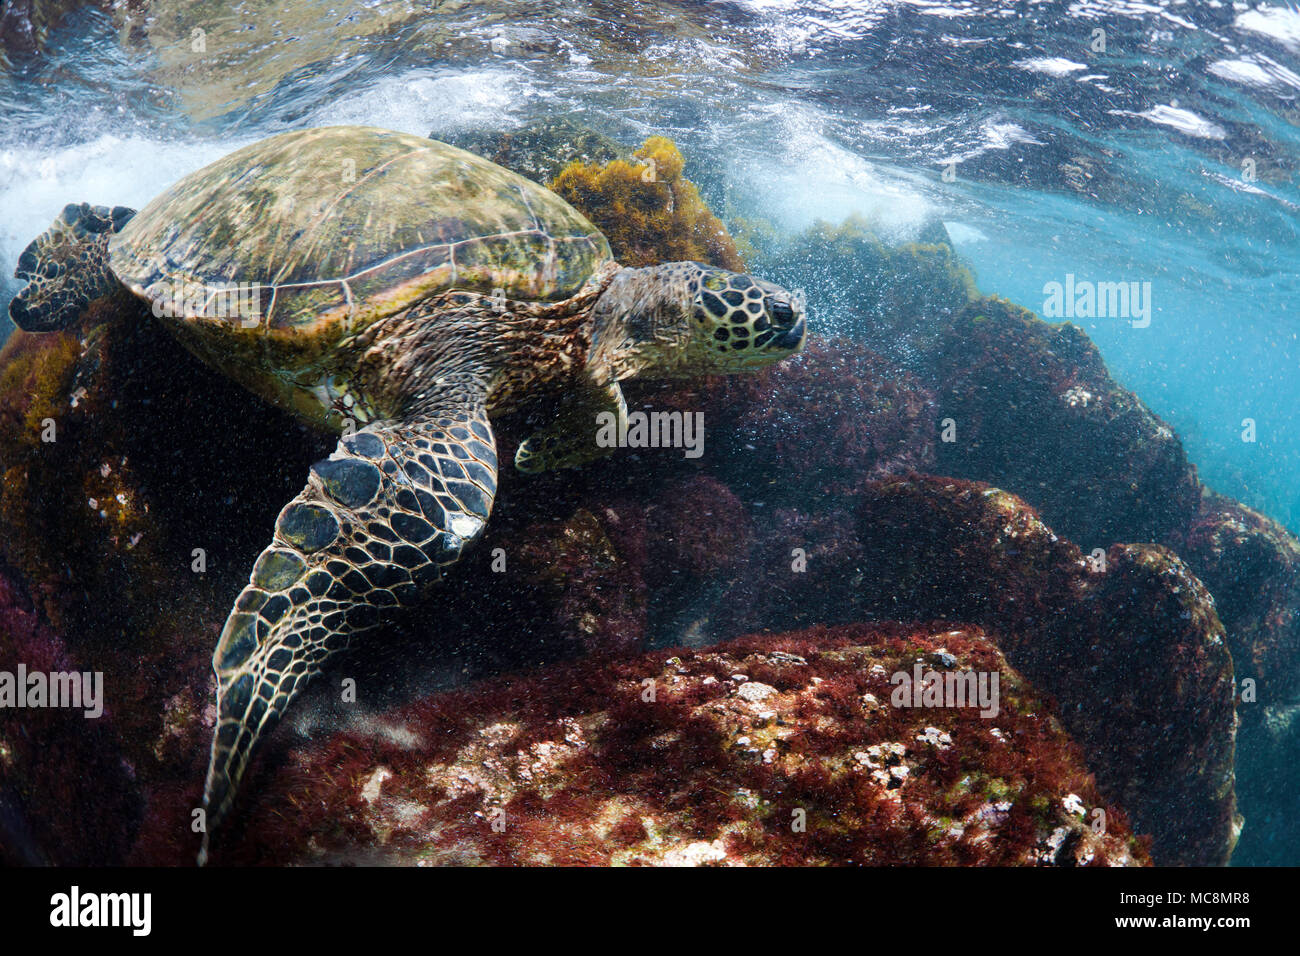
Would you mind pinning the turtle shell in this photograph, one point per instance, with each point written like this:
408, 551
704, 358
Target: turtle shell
308, 237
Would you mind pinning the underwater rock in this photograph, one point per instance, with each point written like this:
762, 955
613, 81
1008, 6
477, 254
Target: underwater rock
1127, 641
699, 536
540, 150
647, 210
580, 585
138, 487
1032, 408
24, 29
767, 750
696, 527
818, 424
129, 465
58, 758
1251, 564
805, 568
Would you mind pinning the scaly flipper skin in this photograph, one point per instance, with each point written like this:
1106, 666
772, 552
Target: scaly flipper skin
66, 268
570, 440
378, 522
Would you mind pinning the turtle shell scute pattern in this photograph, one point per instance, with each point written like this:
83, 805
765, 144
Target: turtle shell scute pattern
329, 229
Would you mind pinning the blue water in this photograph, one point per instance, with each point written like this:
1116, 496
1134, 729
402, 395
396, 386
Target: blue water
1169, 158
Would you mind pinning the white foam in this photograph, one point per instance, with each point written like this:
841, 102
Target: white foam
35, 184
1258, 71
962, 234
812, 177
1005, 135
1185, 121
1050, 65
1278, 23
417, 103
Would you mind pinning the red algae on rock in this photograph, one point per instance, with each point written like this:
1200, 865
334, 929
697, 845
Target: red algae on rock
766, 750
1033, 409
581, 585
696, 527
1126, 640
812, 427
132, 528
1251, 565
47, 754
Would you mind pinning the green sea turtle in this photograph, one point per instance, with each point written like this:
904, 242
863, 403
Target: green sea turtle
400, 291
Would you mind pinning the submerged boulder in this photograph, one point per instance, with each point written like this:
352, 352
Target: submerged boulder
1127, 641
68, 789
767, 750
1251, 564
894, 298
540, 151
1032, 408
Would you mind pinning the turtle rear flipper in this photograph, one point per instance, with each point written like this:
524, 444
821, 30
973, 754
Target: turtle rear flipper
67, 269
379, 520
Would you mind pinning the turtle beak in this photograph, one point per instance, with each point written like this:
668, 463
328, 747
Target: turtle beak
792, 339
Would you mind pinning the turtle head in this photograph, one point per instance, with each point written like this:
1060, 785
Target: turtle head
739, 323
686, 319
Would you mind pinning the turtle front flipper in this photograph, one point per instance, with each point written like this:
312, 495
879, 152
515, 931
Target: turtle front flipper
66, 268
573, 438
379, 521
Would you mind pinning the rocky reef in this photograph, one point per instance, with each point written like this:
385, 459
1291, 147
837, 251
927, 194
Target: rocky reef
540, 151
762, 751
1127, 642
1034, 410
946, 480
898, 298
1251, 565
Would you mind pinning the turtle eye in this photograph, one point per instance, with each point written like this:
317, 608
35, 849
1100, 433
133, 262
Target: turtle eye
782, 314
